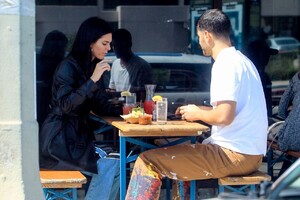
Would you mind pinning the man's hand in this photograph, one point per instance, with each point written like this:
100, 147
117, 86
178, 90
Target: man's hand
189, 112
222, 114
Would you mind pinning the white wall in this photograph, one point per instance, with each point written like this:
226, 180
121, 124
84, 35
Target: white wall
19, 169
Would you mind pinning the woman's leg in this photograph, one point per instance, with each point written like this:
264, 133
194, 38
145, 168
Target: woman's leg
105, 184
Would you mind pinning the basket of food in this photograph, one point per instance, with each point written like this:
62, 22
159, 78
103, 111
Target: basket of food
133, 117
138, 116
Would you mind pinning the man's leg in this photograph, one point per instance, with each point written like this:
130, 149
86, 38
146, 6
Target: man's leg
145, 182
199, 161
186, 162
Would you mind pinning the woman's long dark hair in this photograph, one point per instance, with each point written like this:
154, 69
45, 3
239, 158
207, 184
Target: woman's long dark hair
89, 32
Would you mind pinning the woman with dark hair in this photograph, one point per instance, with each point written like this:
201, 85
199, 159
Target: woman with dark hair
66, 139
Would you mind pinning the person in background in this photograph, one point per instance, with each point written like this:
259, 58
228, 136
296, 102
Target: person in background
52, 52
238, 117
66, 140
129, 72
259, 53
288, 110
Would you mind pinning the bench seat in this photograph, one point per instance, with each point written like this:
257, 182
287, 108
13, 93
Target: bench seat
246, 181
61, 184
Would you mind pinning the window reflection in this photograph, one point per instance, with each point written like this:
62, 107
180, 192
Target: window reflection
170, 28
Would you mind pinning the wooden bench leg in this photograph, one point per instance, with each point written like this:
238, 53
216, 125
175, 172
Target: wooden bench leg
67, 194
221, 189
239, 189
74, 192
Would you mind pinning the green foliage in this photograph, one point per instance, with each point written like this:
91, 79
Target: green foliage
281, 66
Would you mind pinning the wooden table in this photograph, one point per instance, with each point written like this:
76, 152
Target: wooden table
132, 133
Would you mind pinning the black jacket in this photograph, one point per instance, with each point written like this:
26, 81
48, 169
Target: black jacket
66, 140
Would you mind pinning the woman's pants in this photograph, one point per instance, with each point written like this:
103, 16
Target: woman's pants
105, 185
185, 162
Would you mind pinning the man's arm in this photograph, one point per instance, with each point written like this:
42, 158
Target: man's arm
222, 114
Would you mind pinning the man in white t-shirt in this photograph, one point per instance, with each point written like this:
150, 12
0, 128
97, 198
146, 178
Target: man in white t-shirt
237, 114
119, 79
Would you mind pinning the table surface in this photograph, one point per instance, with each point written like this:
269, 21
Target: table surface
172, 128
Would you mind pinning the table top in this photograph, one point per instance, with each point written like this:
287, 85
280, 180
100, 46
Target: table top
172, 128
110, 119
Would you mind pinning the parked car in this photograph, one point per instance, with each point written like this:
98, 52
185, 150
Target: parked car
287, 186
284, 44
182, 78
278, 88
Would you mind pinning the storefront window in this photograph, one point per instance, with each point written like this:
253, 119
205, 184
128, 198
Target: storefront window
67, 2
169, 27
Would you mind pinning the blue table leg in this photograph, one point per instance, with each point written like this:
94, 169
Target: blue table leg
122, 167
193, 188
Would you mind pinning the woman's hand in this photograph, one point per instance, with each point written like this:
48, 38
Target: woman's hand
100, 68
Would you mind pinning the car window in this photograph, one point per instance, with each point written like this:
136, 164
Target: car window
292, 191
286, 41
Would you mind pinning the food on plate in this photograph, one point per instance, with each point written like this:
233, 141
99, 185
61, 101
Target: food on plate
132, 120
133, 117
145, 119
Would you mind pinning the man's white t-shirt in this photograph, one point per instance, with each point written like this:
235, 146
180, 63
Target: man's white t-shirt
235, 78
119, 77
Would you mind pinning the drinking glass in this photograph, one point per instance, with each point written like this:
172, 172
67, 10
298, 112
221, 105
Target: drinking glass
161, 111
129, 104
149, 104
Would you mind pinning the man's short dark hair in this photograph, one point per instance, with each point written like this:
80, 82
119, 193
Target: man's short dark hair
122, 37
215, 22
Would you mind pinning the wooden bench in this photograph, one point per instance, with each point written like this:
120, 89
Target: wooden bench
248, 181
236, 184
281, 156
61, 184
